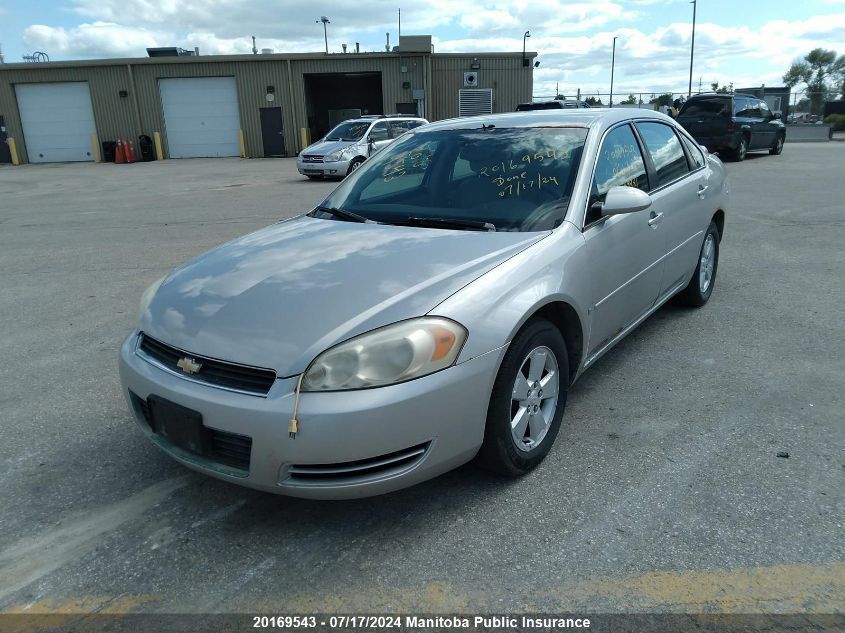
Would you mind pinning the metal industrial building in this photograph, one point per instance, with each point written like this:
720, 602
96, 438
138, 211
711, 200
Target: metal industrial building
243, 105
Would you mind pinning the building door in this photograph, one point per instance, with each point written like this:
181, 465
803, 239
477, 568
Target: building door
272, 132
57, 120
201, 116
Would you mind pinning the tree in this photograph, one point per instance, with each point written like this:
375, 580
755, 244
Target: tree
662, 100
593, 101
722, 89
630, 100
822, 72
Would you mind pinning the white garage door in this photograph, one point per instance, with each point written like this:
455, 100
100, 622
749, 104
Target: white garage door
57, 120
201, 116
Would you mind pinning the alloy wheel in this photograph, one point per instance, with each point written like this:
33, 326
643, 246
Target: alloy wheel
707, 263
534, 398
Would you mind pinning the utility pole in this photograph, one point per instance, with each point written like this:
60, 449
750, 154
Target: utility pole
325, 21
692, 46
612, 67
400, 24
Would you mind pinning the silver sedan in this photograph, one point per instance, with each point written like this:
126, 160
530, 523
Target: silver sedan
434, 309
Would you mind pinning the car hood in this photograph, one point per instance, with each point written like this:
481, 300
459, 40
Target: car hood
278, 297
327, 147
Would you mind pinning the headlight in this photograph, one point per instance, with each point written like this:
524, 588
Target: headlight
386, 356
148, 295
335, 156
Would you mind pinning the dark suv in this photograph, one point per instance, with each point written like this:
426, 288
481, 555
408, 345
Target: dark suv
733, 123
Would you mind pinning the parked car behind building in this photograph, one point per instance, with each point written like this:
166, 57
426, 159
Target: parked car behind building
345, 148
733, 124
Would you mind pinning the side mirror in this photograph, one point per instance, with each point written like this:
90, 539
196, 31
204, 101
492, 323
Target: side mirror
777, 114
621, 200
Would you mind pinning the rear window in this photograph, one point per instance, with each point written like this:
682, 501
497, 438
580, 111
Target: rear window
717, 106
517, 179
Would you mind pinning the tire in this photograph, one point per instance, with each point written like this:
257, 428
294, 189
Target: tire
355, 164
777, 148
700, 287
501, 452
741, 150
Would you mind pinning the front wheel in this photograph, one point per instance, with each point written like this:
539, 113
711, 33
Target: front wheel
700, 287
355, 164
527, 403
777, 148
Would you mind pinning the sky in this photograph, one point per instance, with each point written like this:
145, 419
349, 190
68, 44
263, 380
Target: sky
746, 43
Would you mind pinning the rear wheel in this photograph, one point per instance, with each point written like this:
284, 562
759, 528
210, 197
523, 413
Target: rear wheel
741, 149
527, 403
700, 287
777, 148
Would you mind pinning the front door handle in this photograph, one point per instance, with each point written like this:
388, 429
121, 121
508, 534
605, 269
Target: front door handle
701, 190
654, 218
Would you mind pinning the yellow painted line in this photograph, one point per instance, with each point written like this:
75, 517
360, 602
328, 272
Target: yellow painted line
125, 603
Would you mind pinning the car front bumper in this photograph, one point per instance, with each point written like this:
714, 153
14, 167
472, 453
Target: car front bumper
332, 169
350, 444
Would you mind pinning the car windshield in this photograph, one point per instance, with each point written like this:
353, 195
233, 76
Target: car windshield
510, 179
717, 106
348, 131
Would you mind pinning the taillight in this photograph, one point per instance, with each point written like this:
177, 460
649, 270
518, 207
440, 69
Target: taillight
731, 123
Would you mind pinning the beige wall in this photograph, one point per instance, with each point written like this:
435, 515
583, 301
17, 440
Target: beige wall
440, 75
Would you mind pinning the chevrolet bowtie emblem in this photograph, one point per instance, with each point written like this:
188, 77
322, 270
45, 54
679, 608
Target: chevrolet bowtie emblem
188, 365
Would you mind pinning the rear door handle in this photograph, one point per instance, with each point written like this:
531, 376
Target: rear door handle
654, 218
701, 190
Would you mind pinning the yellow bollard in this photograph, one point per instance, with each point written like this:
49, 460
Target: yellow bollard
305, 137
95, 149
157, 141
241, 143
13, 150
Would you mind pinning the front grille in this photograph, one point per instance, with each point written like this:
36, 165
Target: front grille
225, 448
356, 471
252, 380
311, 158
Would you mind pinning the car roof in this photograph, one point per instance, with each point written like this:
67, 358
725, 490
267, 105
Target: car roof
382, 117
710, 95
564, 117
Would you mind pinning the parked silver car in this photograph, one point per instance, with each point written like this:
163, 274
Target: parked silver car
435, 308
345, 148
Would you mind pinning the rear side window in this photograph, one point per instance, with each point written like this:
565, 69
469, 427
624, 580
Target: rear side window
666, 152
712, 107
619, 164
694, 153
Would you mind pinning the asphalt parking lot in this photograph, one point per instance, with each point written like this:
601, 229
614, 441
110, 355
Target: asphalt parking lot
663, 492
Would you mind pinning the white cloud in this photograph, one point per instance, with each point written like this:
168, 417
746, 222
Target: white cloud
573, 38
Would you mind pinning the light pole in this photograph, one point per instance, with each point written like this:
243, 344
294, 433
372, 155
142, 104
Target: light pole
692, 47
525, 37
325, 21
612, 67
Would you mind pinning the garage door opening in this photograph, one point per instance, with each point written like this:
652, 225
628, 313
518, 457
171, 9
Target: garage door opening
57, 121
201, 117
334, 97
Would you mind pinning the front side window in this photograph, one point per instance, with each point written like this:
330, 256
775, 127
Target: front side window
516, 179
348, 131
619, 164
665, 150
380, 132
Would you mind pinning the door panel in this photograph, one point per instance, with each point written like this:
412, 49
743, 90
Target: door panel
201, 116
272, 133
625, 249
57, 120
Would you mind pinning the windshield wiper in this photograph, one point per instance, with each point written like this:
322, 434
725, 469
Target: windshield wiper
346, 215
449, 223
